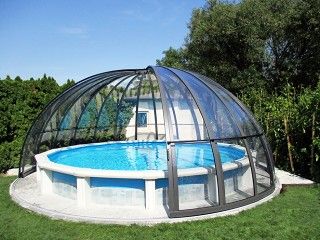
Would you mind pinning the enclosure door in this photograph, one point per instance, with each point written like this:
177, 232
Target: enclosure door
192, 178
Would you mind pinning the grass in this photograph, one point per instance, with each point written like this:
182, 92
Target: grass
295, 214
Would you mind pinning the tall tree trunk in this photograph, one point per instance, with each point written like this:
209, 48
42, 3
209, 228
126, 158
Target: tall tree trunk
289, 145
313, 133
267, 123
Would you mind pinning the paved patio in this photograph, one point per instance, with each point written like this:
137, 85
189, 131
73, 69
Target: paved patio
287, 178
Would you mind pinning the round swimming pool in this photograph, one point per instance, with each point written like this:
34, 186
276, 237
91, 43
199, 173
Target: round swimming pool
135, 174
143, 156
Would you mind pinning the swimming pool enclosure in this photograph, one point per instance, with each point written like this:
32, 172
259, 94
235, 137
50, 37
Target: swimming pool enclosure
173, 106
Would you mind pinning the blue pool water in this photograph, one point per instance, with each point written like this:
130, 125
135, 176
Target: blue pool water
143, 156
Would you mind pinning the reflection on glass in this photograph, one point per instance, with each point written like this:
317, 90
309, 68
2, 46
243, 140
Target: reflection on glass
186, 118
220, 120
261, 164
142, 120
197, 180
237, 172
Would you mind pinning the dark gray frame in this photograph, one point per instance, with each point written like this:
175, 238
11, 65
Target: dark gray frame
59, 107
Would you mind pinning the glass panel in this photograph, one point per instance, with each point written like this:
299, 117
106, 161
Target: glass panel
50, 119
66, 121
126, 109
56, 125
107, 115
145, 128
245, 121
197, 180
157, 116
84, 135
86, 122
186, 119
150, 119
89, 115
220, 120
63, 138
74, 112
236, 168
241, 117
46, 141
106, 119
58, 110
261, 164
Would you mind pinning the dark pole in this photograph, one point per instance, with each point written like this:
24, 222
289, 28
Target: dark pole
137, 108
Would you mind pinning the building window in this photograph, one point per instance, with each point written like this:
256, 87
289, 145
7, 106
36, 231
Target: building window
142, 119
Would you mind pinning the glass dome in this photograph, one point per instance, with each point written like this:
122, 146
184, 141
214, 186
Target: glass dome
169, 105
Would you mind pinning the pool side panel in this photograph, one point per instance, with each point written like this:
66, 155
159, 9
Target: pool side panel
64, 185
118, 192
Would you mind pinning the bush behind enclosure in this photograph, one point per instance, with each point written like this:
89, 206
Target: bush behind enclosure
20, 103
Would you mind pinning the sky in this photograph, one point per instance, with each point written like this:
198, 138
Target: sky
74, 39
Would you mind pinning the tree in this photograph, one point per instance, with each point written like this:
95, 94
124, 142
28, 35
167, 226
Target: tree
253, 43
173, 58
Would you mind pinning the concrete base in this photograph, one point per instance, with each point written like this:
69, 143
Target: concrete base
27, 193
287, 178
12, 172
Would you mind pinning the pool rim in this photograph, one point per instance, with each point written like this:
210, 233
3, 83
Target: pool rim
43, 162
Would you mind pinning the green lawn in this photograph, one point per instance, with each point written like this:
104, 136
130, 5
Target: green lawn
295, 214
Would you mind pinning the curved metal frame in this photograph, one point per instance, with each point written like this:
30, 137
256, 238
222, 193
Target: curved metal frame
91, 86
